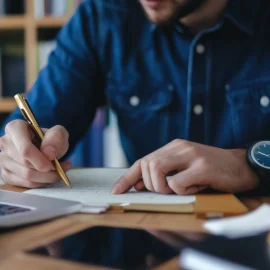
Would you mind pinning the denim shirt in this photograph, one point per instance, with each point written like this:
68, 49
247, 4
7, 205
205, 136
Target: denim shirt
163, 82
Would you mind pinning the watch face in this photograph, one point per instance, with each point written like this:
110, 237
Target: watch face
260, 153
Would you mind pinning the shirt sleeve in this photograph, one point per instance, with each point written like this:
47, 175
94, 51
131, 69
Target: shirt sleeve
69, 90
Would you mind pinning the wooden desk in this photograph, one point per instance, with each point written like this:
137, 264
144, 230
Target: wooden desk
13, 244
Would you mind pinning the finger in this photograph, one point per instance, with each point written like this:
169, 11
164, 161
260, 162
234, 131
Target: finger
8, 148
194, 189
12, 179
45, 177
162, 167
186, 182
21, 137
159, 168
55, 142
146, 176
129, 179
31, 175
140, 186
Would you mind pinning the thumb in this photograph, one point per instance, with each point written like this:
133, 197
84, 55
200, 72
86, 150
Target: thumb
55, 142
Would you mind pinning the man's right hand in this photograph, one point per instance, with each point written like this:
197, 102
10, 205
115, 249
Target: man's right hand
23, 164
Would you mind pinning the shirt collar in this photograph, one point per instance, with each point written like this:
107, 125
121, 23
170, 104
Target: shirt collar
242, 13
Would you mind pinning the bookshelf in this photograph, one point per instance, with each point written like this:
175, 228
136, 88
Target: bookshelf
30, 26
35, 33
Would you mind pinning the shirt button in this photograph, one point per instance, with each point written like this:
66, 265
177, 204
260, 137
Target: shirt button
200, 49
134, 101
264, 101
227, 87
170, 87
198, 109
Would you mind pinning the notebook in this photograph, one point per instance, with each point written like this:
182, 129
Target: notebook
92, 186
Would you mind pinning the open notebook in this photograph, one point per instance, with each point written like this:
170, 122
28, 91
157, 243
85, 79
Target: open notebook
92, 187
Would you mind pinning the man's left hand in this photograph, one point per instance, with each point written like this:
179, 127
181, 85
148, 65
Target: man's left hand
185, 167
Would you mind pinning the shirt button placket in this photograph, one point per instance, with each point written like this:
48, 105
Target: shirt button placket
198, 92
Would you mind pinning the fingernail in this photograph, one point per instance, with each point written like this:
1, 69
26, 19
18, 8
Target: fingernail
116, 189
50, 152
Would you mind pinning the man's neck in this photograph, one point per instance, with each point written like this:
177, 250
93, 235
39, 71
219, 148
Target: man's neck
205, 16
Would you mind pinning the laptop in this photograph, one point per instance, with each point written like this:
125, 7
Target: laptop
18, 209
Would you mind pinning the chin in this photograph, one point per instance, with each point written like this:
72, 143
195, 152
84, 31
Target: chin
158, 17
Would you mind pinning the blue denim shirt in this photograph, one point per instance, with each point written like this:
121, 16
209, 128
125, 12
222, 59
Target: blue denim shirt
163, 82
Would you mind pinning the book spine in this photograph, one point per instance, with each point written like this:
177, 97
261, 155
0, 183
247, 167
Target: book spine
48, 7
44, 50
1, 77
59, 8
13, 70
2, 7
14, 7
39, 9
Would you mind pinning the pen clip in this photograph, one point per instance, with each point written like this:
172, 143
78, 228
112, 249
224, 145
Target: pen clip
26, 110
25, 116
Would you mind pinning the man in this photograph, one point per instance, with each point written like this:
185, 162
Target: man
165, 78
191, 75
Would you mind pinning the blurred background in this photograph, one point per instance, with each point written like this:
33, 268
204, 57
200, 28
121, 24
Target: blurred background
27, 36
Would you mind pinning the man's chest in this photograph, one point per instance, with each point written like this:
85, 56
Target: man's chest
212, 77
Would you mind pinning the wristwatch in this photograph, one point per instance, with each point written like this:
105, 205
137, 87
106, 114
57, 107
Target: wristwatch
258, 157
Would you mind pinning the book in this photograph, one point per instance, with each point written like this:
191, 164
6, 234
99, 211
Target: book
1, 77
48, 6
13, 7
59, 8
2, 7
39, 9
13, 69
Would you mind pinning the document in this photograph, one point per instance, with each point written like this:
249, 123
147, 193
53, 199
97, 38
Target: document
92, 187
255, 222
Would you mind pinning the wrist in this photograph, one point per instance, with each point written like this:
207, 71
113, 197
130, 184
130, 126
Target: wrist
246, 173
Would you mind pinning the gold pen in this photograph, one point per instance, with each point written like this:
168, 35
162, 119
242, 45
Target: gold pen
29, 116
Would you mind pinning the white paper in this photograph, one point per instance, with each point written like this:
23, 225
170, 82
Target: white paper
249, 224
92, 186
92, 209
196, 260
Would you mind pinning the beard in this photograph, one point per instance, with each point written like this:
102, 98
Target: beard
170, 10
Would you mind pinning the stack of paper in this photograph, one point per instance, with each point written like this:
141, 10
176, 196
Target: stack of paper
92, 187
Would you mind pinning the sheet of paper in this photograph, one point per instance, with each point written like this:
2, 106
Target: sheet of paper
255, 222
92, 186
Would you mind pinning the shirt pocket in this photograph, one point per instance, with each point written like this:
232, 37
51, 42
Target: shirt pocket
250, 112
143, 111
